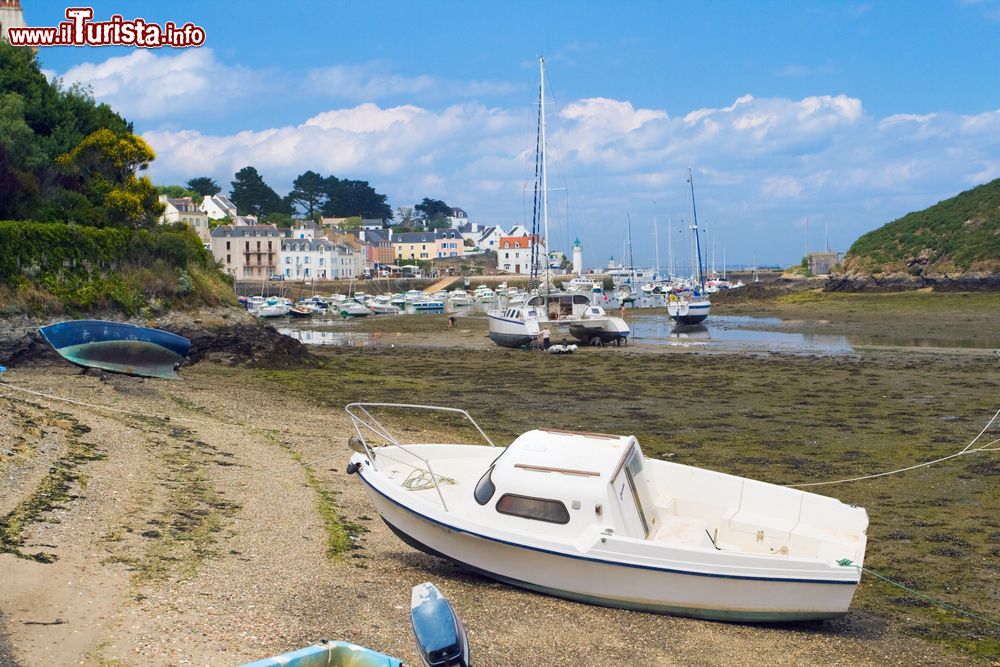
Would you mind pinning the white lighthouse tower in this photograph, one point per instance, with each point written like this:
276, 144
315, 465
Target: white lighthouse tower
577, 258
11, 16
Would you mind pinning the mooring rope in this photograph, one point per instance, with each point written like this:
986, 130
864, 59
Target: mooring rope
133, 413
965, 450
847, 562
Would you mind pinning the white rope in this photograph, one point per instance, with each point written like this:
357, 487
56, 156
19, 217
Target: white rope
965, 450
139, 480
108, 408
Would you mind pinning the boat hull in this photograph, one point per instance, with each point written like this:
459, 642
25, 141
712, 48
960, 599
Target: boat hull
118, 347
688, 313
606, 330
512, 333
577, 576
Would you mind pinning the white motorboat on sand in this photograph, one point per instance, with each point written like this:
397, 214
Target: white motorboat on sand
586, 516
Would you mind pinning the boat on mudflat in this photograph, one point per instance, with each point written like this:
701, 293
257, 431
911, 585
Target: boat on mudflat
587, 517
118, 347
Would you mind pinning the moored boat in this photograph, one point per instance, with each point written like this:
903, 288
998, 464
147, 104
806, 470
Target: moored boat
118, 347
588, 517
354, 309
688, 307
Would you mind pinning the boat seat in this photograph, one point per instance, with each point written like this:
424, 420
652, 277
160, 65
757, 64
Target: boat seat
770, 530
691, 532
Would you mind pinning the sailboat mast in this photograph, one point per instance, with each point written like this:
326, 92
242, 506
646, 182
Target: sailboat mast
656, 241
545, 182
670, 249
631, 263
697, 240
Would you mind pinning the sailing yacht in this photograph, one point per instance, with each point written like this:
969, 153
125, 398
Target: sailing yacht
691, 305
517, 325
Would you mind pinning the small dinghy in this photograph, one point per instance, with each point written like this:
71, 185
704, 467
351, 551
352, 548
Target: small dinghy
439, 632
118, 347
330, 654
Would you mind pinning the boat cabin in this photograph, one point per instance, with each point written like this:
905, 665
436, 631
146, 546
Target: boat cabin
560, 305
565, 477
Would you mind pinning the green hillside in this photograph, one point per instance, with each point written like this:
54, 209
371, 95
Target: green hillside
957, 235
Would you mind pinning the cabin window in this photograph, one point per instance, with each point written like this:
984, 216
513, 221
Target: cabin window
485, 488
539, 509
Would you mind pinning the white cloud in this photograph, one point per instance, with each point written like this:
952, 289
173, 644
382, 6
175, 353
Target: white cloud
757, 161
145, 85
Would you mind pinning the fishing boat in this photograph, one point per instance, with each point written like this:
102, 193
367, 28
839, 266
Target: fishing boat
588, 517
427, 305
354, 309
301, 310
273, 307
459, 297
381, 305
118, 347
691, 306
578, 284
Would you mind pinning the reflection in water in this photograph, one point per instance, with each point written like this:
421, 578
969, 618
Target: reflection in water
728, 333
690, 332
335, 338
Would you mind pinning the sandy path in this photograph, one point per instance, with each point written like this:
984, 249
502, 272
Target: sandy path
251, 578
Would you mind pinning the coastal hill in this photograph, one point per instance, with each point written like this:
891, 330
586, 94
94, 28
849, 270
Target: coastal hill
957, 236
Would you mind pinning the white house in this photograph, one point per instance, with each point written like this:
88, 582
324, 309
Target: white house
490, 237
518, 230
183, 209
218, 207
514, 254
304, 229
247, 252
319, 259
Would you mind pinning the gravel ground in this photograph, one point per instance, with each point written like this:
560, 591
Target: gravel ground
200, 543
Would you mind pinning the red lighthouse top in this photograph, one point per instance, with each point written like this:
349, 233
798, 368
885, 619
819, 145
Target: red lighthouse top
12, 4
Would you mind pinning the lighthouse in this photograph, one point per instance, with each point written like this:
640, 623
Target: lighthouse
11, 16
577, 258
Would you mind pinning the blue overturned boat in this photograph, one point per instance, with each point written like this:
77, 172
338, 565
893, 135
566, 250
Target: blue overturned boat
118, 347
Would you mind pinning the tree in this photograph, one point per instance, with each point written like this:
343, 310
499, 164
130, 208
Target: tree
430, 209
405, 215
308, 193
251, 194
103, 167
346, 198
204, 186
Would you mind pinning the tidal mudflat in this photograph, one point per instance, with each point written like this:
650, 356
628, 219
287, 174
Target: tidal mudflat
210, 520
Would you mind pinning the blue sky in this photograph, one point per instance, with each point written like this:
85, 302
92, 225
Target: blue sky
845, 114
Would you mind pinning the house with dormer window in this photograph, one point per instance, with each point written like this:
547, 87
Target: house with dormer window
514, 253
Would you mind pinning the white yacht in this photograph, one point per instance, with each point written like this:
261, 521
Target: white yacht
587, 517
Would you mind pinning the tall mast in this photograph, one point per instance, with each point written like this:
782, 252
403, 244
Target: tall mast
631, 263
697, 240
656, 241
670, 249
545, 181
